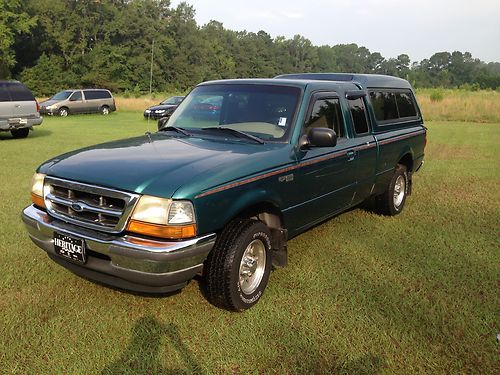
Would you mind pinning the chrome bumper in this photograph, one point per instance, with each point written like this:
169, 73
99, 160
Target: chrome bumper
125, 261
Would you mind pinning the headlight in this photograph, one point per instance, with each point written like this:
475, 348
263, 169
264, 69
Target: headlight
147, 111
160, 217
160, 110
53, 106
37, 189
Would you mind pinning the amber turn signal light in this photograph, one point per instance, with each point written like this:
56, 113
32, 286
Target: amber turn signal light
162, 231
37, 200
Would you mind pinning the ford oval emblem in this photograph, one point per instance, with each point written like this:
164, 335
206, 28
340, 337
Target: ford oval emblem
77, 207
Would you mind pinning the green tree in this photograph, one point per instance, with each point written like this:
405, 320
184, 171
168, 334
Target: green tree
13, 21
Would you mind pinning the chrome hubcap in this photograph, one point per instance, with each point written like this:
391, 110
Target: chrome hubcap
252, 266
105, 111
63, 113
399, 191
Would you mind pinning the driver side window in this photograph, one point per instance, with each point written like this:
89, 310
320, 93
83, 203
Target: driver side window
326, 113
77, 95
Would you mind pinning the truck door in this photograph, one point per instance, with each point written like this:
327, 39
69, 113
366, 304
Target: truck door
325, 177
365, 148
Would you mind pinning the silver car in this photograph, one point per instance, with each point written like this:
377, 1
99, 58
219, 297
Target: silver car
19, 111
79, 101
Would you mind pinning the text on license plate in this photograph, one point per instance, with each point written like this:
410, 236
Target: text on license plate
69, 247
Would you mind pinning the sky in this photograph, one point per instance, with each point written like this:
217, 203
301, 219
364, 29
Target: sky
418, 28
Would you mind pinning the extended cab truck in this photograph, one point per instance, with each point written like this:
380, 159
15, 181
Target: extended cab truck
220, 189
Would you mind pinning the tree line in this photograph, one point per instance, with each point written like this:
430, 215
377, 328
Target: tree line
54, 44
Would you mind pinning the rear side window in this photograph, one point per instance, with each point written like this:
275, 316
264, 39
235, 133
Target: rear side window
97, 94
358, 115
4, 95
326, 113
384, 105
18, 92
392, 105
406, 107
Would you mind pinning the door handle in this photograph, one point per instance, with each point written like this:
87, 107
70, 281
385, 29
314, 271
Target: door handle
18, 106
351, 154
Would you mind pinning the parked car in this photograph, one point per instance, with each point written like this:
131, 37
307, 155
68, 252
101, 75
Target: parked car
19, 111
79, 101
164, 109
224, 196
208, 108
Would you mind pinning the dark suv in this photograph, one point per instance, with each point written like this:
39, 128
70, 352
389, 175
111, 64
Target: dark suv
164, 109
19, 111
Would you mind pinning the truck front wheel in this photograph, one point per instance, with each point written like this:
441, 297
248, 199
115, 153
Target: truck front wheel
237, 269
392, 201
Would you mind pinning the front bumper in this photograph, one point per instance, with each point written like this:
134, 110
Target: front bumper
126, 262
46, 111
154, 116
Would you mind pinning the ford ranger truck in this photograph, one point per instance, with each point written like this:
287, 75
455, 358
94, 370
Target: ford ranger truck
240, 167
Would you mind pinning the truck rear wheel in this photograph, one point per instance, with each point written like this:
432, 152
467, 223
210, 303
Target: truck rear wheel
237, 269
20, 133
392, 201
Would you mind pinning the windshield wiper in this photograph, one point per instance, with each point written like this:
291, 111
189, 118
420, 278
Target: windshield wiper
176, 129
236, 132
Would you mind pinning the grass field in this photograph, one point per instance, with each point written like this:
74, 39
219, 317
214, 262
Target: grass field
362, 293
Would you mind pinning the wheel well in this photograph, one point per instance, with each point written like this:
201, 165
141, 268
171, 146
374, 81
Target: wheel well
271, 215
407, 161
268, 213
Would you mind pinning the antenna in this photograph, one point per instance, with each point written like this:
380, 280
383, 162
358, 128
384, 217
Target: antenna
151, 80
151, 72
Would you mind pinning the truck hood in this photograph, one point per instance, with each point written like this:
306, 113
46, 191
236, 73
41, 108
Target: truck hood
159, 164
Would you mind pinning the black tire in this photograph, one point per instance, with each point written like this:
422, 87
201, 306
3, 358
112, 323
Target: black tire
222, 267
20, 133
387, 203
63, 112
105, 110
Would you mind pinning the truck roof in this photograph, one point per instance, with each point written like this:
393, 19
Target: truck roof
365, 80
340, 79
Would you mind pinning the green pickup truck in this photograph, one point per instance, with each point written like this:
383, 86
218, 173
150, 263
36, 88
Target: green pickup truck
239, 168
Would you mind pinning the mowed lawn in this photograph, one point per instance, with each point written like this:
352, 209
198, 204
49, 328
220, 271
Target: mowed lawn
362, 293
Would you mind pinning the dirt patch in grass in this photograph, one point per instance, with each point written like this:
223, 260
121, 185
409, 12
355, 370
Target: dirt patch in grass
447, 152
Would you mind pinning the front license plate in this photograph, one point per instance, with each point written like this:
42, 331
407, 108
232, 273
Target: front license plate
69, 247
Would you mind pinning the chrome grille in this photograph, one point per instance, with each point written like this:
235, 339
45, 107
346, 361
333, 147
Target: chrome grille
87, 205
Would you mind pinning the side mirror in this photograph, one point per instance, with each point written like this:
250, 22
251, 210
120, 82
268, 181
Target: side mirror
163, 121
72, 99
318, 137
353, 95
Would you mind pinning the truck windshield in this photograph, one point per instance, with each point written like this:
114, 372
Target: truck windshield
62, 95
263, 111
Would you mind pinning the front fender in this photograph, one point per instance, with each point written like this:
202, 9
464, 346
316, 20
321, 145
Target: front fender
216, 210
